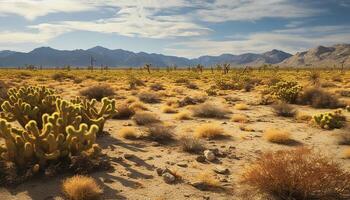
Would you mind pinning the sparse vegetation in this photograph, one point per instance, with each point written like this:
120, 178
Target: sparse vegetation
277, 136
81, 188
149, 97
145, 118
98, 92
318, 98
128, 133
210, 131
208, 110
191, 144
283, 109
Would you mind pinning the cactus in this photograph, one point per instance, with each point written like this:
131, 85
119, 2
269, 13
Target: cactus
330, 120
28, 103
286, 90
91, 115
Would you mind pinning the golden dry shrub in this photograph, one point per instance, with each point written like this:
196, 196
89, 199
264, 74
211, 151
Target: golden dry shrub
241, 106
206, 180
168, 109
183, 115
209, 110
297, 174
137, 105
98, 92
145, 118
191, 144
240, 118
277, 136
128, 133
81, 187
210, 130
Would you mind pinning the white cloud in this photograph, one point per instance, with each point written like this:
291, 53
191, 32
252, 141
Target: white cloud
289, 40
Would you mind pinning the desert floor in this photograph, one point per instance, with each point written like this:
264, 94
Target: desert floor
134, 176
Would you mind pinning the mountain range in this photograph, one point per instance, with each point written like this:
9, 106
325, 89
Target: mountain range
49, 57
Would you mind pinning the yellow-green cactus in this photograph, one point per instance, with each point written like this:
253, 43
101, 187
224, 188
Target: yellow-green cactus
92, 115
286, 90
330, 120
28, 103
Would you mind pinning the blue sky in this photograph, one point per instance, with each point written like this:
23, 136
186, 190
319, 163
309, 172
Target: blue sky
188, 28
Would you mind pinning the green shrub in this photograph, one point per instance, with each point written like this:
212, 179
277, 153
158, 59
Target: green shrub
287, 91
330, 120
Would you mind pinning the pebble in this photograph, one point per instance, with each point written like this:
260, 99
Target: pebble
221, 169
209, 155
128, 155
200, 159
182, 164
168, 178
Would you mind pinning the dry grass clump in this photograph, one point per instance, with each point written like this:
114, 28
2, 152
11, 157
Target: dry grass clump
128, 133
207, 181
124, 112
157, 86
346, 153
210, 130
277, 136
318, 98
241, 106
149, 97
145, 118
160, 133
97, 92
344, 138
208, 110
81, 188
191, 101
137, 105
183, 115
60, 76
298, 174
131, 99
191, 144
284, 109
168, 109
240, 118
303, 117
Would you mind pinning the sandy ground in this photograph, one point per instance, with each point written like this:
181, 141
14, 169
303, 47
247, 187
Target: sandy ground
135, 178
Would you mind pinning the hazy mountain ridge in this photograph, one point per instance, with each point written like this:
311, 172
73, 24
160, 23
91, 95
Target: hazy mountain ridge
50, 57
321, 56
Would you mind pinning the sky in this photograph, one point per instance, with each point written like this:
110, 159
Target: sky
188, 28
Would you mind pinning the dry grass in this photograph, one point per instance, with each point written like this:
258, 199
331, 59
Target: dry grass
303, 117
208, 110
277, 136
157, 86
137, 105
145, 118
241, 106
160, 133
183, 115
191, 144
284, 109
210, 130
124, 112
168, 109
298, 174
346, 153
97, 92
81, 188
130, 100
128, 133
318, 98
208, 180
149, 97
240, 118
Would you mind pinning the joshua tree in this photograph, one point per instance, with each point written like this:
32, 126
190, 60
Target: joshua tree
148, 67
200, 68
226, 68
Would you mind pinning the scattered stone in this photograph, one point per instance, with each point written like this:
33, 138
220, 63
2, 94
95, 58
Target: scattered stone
209, 155
224, 123
182, 164
127, 124
200, 185
223, 180
168, 178
221, 170
206, 197
200, 159
128, 155
150, 158
107, 180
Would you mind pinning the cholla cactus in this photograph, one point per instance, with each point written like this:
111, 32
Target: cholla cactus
286, 90
28, 103
330, 120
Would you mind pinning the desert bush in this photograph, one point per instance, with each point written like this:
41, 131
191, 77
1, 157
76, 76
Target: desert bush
157, 86
191, 86
60, 76
81, 188
345, 93
98, 92
346, 153
287, 91
137, 105
134, 82
145, 118
314, 77
207, 181
183, 115
318, 98
168, 109
344, 138
330, 120
297, 174
149, 97
77, 80
128, 133
211, 92
208, 110
283, 109
227, 85
182, 80
160, 133
328, 84
123, 112
239, 118
210, 131
277, 136
191, 144
266, 99
190, 101
241, 106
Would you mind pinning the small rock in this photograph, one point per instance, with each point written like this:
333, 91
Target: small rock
108, 180
150, 158
224, 180
206, 197
200, 159
221, 170
128, 155
127, 124
209, 155
182, 164
200, 185
161, 171
187, 195
168, 178
224, 123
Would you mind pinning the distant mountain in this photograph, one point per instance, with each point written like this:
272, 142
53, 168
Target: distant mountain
49, 57
321, 56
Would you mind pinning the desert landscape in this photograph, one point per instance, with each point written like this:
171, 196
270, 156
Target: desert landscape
188, 133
